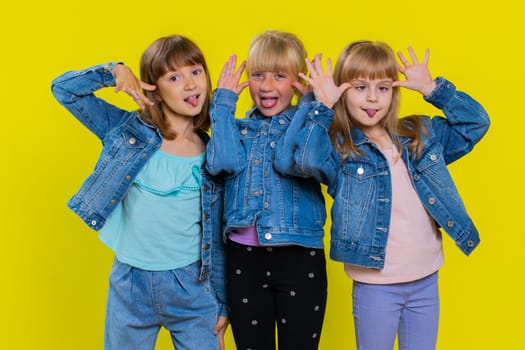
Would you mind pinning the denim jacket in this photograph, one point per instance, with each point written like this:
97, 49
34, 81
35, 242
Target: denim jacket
284, 209
128, 143
361, 187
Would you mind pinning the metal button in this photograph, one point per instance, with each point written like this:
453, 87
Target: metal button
132, 141
244, 131
433, 157
431, 200
268, 236
450, 223
272, 144
360, 171
281, 122
206, 246
93, 222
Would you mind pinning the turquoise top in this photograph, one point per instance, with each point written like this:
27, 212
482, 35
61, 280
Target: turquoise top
157, 225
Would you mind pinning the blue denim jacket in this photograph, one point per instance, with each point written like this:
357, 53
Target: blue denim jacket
285, 210
128, 143
362, 187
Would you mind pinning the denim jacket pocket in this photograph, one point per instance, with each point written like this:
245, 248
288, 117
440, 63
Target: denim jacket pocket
125, 144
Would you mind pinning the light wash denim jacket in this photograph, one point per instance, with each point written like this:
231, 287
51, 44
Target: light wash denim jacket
362, 187
285, 209
128, 143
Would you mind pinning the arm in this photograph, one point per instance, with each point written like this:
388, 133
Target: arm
225, 152
466, 120
75, 91
307, 150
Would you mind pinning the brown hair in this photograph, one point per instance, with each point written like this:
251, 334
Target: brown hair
372, 60
163, 55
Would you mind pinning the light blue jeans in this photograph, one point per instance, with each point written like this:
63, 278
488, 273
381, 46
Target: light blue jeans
141, 302
409, 310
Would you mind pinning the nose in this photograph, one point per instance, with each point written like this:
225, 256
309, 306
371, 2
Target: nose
371, 95
267, 84
189, 84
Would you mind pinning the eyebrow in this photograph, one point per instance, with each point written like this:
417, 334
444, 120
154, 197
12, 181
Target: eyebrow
385, 81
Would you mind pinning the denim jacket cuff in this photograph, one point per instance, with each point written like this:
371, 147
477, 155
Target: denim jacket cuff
225, 97
321, 114
442, 94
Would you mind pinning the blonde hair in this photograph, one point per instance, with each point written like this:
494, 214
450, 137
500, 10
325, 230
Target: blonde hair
371, 60
163, 55
275, 51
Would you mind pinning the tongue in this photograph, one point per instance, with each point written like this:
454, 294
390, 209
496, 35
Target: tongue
371, 112
192, 101
268, 102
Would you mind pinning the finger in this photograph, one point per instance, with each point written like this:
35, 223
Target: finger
427, 55
413, 55
402, 58
329, 67
148, 87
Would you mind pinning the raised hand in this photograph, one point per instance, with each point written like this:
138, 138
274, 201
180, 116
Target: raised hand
230, 77
322, 83
127, 82
417, 74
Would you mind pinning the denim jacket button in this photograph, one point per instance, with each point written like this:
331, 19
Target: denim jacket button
206, 246
281, 122
360, 171
268, 236
272, 144
132, 140
433, 157
244, 131
93, 222
128, 177
431, 200
470, 244
206, 216
450, 223
112, 201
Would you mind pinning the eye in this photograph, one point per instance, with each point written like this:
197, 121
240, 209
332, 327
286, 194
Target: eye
359, 87
280, 76
384, 88
174, 78
197, 71
256, 75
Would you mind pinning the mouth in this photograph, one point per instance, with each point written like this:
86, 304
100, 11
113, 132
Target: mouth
269, 102
371, 112
192, 100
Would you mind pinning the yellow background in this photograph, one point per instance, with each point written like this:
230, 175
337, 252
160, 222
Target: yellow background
54, 270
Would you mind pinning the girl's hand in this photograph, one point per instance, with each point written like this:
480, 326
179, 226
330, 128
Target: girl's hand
220, 329
417, 75
322, 83
230, 78
126, 81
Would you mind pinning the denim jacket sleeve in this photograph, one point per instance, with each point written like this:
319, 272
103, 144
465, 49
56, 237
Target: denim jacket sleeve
465, 124
306, 149
225, 152
75, 91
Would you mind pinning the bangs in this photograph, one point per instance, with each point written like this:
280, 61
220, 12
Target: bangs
369, 61
266, 61
273, 52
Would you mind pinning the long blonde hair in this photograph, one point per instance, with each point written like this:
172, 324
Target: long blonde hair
163, 55
276, 51
371, 60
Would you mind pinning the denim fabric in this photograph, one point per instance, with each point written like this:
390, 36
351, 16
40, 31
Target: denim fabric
128, 143
140, 302
362, 187
285, 210
409, 310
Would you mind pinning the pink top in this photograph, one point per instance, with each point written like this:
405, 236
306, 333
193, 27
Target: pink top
245, 236
413, 248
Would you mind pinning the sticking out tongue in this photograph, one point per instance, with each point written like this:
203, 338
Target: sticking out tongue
269, 102
192, 100
371, 112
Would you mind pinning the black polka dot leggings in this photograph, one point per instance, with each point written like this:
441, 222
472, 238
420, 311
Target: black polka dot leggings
276, 286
